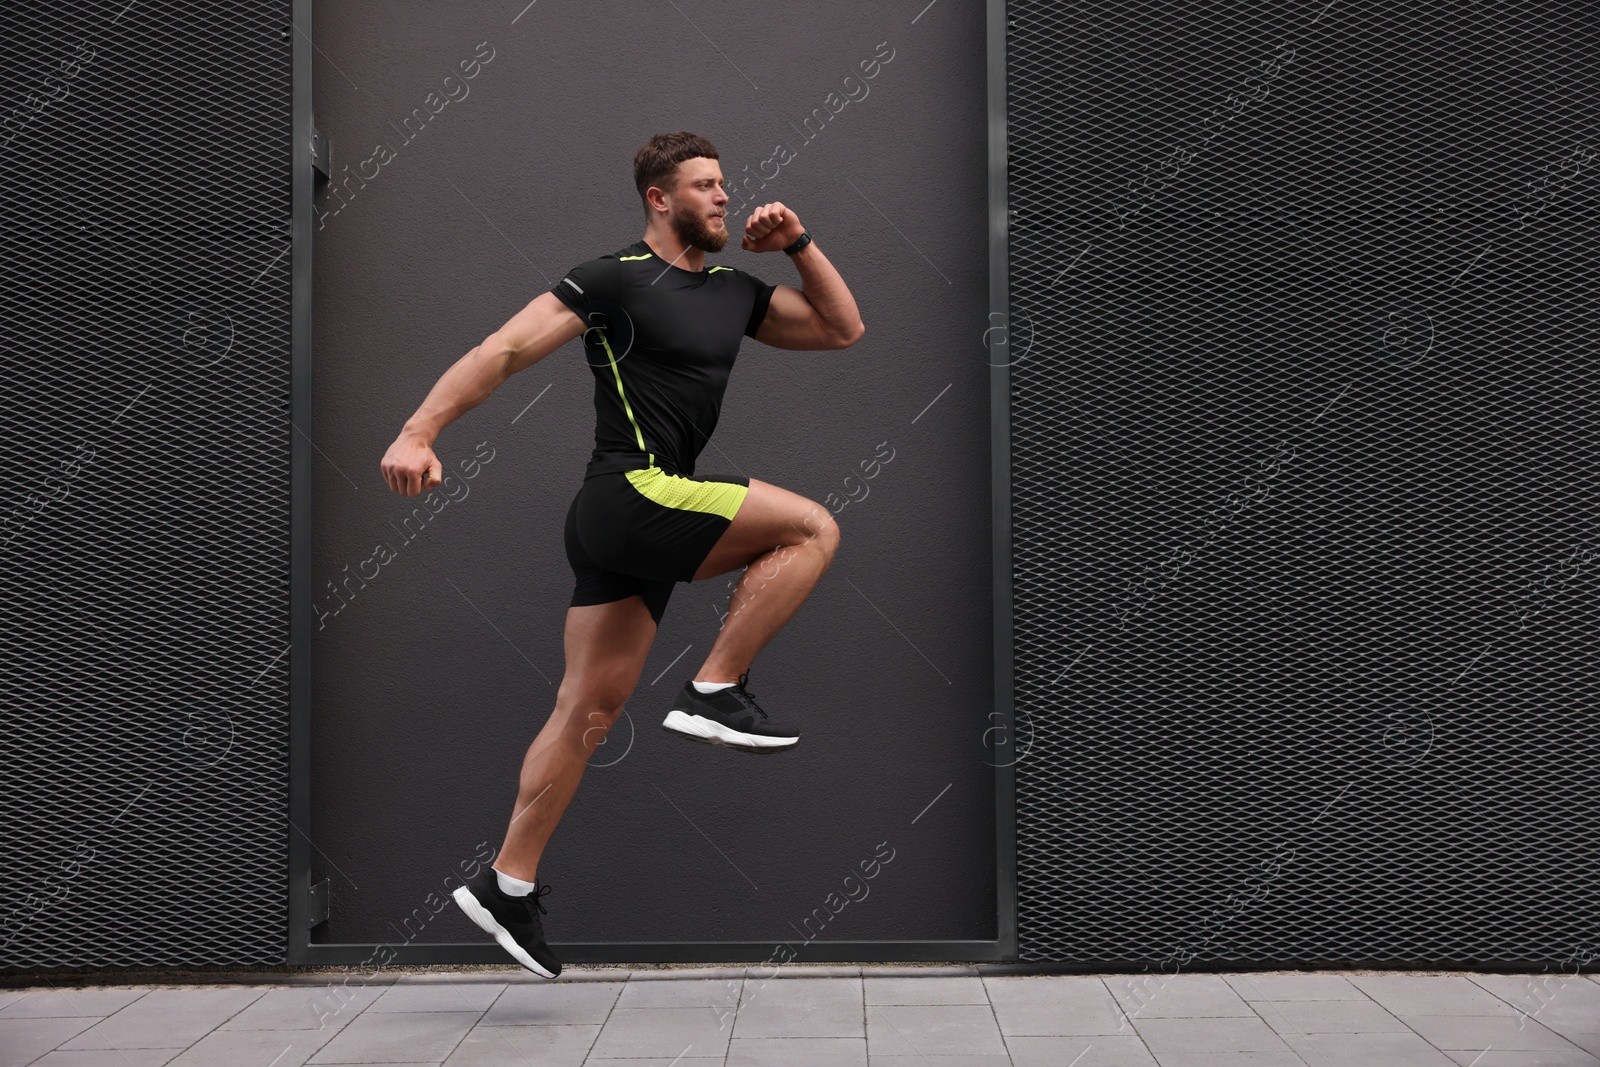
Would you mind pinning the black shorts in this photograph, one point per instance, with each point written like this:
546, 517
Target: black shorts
642, 531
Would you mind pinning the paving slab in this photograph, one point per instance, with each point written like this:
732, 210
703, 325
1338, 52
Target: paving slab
322, 1007
1431, 995
525, 1046
1183, 996
1294, 987
280, 1048
67, 1003
166, 1018
941, 1061
1237, 1059
1123, 1050
553, 1002
1054, 1007
1366, 1050
134, 1057
437, 995
398, 1037
797, 1052
715, 993
660, 1032
945, 1030
1497, 1058
1328, 1017
1168, 1037
814, 1007
954, 990
28, 1039
1461, 1033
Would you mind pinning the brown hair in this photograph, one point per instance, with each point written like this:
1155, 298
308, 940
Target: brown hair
657, 162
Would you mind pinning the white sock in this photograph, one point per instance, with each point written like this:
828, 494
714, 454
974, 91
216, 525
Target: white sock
711, 687
513, 887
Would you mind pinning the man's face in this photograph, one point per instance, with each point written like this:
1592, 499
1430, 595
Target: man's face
699, 205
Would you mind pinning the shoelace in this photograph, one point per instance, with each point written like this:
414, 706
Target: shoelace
533, 898
749, 697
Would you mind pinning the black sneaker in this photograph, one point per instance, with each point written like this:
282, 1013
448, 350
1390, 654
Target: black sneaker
728, 717
514, 921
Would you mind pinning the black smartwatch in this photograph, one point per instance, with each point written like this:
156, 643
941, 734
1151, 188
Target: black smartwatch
799, 243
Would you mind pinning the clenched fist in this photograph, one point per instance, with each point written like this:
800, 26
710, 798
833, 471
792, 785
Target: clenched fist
771, 228
410, 465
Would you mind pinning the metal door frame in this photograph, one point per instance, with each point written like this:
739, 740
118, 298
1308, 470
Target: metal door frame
301, 951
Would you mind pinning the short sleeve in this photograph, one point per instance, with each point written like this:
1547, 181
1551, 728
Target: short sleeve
589, 286
763, 294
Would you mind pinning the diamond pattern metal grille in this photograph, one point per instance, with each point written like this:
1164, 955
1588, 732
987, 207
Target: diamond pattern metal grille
1304, 476
144, 319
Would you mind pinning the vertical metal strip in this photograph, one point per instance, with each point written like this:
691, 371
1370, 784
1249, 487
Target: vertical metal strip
1000, 486
301, 179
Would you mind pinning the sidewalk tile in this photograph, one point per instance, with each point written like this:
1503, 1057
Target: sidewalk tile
320, 1007
945, 1030
1328, 1017
133, 1057
1126, 1050
553, 1002
1183, 996
438, 996
801, 1007
1287, 1058
797, 1052
1367, 1050
28, 1039
425, 1037
1430, 995
281, 1048
687, 993
639, 1032
968, 1060
166, 1018
1168, 1036
1496, 1058
1294, 987
1054, 1007
1460, 1033
925, 991
525, 1046
62, 1003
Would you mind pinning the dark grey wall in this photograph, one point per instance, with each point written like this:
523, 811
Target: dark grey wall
434, 677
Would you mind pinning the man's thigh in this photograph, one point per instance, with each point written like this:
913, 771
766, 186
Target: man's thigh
606, 646
769, 518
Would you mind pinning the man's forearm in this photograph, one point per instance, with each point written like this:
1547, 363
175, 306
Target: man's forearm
460, 389
827, 292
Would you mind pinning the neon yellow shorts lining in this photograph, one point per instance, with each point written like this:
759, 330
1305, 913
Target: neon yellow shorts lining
686, 494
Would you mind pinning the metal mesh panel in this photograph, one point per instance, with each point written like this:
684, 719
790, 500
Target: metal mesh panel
144, 317
1304, 475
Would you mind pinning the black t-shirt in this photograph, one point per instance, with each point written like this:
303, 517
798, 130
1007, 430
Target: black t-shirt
661, 341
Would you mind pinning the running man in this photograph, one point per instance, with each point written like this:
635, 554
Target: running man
660, 332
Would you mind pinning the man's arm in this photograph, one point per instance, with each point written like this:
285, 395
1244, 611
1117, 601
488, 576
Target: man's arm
821, 313
527, 337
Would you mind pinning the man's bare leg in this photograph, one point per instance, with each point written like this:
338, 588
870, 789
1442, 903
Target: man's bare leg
605, 646
786, 542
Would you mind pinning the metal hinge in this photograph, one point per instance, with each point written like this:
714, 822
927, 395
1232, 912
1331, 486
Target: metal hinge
318, 912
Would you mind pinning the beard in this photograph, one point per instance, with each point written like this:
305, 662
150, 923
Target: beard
696, 232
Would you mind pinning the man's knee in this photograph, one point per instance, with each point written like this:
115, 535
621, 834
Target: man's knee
819, 527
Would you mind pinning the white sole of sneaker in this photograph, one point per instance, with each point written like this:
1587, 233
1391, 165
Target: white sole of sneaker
701, 728
480, 915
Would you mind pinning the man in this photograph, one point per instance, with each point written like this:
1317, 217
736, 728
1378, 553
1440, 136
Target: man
661, 333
